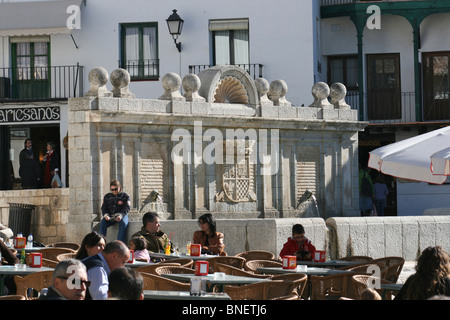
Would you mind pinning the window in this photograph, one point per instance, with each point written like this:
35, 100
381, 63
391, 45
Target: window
436, 86
139, 50
344, 69
230, 40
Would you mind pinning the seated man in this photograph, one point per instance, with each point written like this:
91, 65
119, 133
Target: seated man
151, 231
126, 284
115, 208
298, 245
70, 281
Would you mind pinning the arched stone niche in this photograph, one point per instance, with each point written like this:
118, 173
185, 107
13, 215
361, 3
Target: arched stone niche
228, 84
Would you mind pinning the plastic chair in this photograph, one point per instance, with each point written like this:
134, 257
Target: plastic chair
70, 245
361, 283
13, 297
53, 253
261, 290
299, 279
151, 267
65, 256
253, 265
173, 269
236, 262
219, 267
256, 255
330, 287
155, 282
37, 281
394, 267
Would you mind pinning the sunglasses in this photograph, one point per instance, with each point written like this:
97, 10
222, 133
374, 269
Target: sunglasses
115, 189
77, 281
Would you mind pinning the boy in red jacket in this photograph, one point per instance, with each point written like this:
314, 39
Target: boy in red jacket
298, 245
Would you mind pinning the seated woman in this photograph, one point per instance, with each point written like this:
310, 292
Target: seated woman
92, 244
208, 237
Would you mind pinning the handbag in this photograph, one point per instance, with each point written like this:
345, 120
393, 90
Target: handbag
56, 181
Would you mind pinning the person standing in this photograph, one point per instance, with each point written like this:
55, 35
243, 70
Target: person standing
115, 208
365, 192
380, 192
29, 170
51, 164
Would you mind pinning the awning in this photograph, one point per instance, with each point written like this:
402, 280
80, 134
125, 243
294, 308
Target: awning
36, 18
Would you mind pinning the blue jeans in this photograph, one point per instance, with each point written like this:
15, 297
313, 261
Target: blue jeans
380, 205
123, 226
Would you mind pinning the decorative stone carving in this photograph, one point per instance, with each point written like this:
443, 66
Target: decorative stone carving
263, 86
98, 78
277, 93
320, 92
191, 84
338, 91
230, 90
171, 83
120, 79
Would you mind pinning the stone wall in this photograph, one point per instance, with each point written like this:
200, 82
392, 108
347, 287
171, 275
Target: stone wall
50, 218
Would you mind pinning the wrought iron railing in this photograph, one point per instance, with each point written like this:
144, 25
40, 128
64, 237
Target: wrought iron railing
41, 83
254, 70
147, 69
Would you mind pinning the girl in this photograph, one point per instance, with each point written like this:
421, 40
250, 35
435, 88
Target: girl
139, 245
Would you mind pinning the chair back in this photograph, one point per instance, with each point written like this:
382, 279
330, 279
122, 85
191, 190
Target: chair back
151, 267
49, 263
12, 297
53, 253
256, 255
253, 265
364, 268
37, 281
330, 287
236, 262
361, 282
173, 269
220, 267
260, 290
361, 259
70, 245
155, 282
184, 262
394, 267
65, 256
299, 280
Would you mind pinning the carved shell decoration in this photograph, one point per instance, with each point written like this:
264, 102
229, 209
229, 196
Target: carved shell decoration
230, 90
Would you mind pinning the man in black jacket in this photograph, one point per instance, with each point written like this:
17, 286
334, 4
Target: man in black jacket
115, 208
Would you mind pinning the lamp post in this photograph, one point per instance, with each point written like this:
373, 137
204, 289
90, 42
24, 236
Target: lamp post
175, 24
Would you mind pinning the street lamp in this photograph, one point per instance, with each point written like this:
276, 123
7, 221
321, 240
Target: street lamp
175, 24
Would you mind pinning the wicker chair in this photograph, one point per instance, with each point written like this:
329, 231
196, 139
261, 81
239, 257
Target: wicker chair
219, 267
362, 268
173, 269
394, 267
184, 262
236, 262
53, 253
155, 282
65, 256
329, 287
37, 281
151, 267
49, 263
70, 245
256, 255
261, 290
253, 265
362, 259
13, 297
299, 279
361, 283
290, 297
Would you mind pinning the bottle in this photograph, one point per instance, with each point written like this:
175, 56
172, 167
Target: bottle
22, 256
167, 247
30, 241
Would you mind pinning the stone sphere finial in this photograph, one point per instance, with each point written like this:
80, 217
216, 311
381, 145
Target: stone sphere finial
98, 78
277, 93
263, 86
338, 91
171, 83
120, 79
320, 92
191, 84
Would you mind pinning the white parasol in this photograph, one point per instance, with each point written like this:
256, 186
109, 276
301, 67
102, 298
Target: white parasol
411, 158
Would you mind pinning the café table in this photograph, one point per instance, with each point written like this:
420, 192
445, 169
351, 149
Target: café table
310, 271
214, 280
136, 264
329, 263
183, 295
156, 255
15, 271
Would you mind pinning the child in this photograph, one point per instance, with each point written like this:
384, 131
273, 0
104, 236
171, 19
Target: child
138, 245
298, 245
